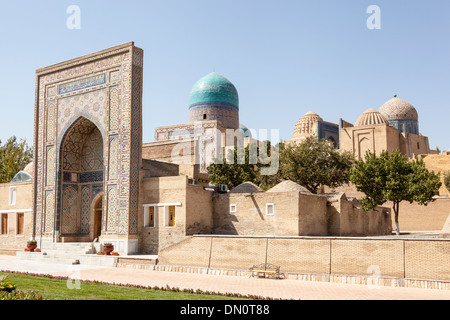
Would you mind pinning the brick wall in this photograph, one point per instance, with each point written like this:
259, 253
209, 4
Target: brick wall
397, 258
23, 204
412, 217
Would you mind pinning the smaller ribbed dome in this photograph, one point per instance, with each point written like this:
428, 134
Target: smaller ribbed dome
371, 117
306, 125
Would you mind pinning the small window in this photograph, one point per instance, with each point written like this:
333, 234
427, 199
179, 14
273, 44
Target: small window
270, 209
19, 224
232, 208
204, 116
4, 224
151, 216
170, 211
12, 196
418, 145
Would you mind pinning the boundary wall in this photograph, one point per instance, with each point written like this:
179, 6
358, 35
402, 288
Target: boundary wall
397, 261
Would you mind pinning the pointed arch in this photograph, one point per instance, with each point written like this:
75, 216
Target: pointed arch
81, 170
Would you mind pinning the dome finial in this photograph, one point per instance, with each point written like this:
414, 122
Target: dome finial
395, 96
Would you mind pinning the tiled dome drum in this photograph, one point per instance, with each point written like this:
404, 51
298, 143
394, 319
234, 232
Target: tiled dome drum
214, 97
401, 114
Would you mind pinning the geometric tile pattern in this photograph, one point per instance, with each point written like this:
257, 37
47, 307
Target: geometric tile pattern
114, 108
51, 165
401, 115
114, 76
74, 143
113, 167
51, 120
111, 225
92, 153
69, 209
49, 207
91, 176
398, 109
90, 105
136, 140
85, 208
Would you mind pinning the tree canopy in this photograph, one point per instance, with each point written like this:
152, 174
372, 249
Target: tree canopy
311, 163
314, 163
14, 156
392, 177
234, 169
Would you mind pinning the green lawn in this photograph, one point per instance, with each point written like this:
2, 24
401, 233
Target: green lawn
58, 289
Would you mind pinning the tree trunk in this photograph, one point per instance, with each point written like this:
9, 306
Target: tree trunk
396, 208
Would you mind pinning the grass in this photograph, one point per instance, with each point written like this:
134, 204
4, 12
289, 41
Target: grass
52, 288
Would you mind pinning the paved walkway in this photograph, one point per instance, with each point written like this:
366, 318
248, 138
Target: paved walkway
284, 289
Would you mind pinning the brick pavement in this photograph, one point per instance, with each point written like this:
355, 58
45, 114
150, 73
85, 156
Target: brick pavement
282, 289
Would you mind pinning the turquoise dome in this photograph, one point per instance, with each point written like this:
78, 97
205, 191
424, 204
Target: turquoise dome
245, 131
214, 88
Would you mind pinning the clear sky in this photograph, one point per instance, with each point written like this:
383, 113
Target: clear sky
285, 57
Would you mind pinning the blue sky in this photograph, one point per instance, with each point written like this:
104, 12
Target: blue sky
285, 57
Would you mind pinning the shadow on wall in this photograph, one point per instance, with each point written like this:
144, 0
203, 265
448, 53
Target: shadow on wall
225, 215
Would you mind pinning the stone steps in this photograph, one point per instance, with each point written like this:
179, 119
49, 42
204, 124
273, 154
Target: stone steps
63, 253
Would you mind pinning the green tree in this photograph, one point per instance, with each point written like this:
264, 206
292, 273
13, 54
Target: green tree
14, 156
235, 169
391, 177
314, 163
447, 180
252, 163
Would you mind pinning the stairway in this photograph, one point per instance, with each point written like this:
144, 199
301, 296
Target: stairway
63, 253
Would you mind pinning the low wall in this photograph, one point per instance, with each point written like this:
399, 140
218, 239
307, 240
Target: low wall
383, 257
412, 216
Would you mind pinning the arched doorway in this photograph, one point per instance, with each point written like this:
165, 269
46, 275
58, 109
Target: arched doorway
81, 179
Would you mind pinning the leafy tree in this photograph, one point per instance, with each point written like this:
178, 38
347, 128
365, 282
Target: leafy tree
391, 177
314, 163
14, 156
234, 169
447, 180
251, 163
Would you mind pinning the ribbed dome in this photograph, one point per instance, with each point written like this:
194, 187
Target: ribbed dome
398, 109
214, 88
306, 124
370, 117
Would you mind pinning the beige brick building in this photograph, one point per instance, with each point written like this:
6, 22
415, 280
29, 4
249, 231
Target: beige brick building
395, 126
